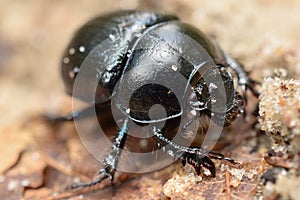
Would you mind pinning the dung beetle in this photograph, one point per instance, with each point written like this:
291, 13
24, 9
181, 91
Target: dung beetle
127, 30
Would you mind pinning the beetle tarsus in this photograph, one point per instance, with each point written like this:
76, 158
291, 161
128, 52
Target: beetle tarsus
219, 156
88, 184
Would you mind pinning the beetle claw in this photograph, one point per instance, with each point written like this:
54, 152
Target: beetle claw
208, 164
197, 161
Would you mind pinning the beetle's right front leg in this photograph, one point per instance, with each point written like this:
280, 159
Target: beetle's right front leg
110, 162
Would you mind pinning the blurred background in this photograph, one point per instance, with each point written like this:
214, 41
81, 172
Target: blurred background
262, 34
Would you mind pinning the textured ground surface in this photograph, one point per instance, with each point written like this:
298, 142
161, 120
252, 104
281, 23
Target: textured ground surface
38, 160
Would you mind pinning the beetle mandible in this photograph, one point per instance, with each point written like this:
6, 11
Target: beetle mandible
126, 28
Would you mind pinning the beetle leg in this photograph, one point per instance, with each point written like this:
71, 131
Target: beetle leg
86, 112
66, 118
197, 161
243, 80
110, 163
196, 157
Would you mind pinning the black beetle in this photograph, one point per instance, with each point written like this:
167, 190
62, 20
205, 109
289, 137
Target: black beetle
126, 28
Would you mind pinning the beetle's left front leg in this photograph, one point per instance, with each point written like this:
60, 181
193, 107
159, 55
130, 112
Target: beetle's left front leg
243, 79
196, 157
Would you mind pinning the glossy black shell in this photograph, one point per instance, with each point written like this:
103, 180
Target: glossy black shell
120, 26
126, 27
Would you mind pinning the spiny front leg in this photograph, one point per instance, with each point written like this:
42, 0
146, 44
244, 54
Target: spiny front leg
110, 163
197, 161
196, 157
